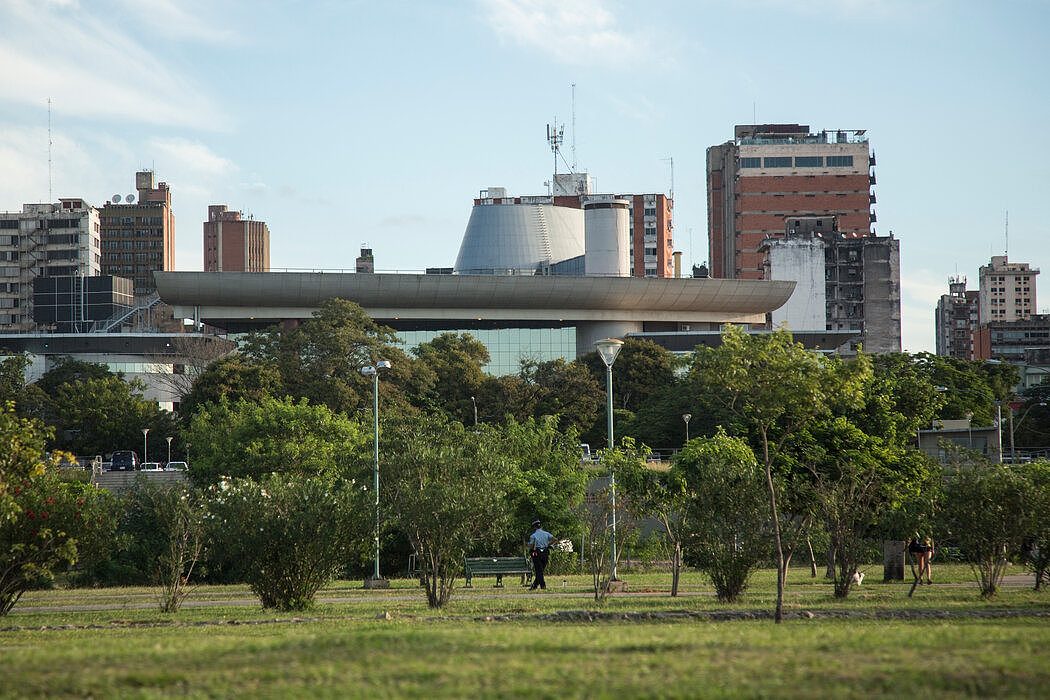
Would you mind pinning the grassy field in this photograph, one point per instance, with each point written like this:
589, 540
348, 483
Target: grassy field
115, 643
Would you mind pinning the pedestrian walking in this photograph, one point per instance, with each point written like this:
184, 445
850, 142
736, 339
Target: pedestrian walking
539, 551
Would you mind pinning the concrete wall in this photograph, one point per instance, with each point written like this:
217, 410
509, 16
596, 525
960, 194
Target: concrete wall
801, 260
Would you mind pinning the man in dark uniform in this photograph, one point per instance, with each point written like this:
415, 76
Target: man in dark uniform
539, 549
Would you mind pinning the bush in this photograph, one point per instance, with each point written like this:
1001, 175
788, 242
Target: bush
726, 511
983, 513
287, 535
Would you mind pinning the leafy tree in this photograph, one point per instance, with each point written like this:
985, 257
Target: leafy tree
984, 513
1037, 520
68, 371
456, 360
43, 514
553, 481
288, 535
776, 386
564, 389
505, 398
660, 495
29, 400
729, 523
99, 415
1031, 426
257, 438
644, 370
232, 378
320, 360
449, 489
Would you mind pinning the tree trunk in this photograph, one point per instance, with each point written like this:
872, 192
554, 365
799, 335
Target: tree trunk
778, 615
676, 568
830, 571
812, 559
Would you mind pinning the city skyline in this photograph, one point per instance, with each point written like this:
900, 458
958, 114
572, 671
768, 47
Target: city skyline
342, 124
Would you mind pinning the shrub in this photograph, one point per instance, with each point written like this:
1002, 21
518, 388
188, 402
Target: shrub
983, 514
727, 513
287, 535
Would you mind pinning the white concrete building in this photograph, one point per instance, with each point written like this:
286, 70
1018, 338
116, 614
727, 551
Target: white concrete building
802, 261
1007, 290
43, 240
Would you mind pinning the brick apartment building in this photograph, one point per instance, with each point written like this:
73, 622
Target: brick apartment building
138, 238
233, 243
771, 172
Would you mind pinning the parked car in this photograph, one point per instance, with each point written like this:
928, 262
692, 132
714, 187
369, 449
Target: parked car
585, 453
124, 460
150, 467
175, 467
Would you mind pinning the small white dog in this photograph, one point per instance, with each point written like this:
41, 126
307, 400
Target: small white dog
858, 578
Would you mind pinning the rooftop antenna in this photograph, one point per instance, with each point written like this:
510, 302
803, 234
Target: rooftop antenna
670, 160
1007, 233
574, 127
555, 137
49, 143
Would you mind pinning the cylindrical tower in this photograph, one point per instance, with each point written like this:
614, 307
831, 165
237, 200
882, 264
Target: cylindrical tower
606, 229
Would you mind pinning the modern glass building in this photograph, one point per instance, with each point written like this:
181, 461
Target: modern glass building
508, 347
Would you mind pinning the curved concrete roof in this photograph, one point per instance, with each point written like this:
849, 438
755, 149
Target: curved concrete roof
282, 295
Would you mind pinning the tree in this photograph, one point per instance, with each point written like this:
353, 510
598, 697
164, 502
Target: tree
41, 514
192, 354
553, 480
99, 415
68, 371
776, 386
448, 488
258, 438
456, 360
729, 523
660, 495
232, 378
505, 398
1037, 520
321, 359
288, 535
563, 389
983, 513
644, 370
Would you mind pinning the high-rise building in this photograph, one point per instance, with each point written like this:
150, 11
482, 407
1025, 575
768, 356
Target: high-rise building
843, 284
233, 243
139, 237
1007, 290
956, 320
43, 240
772, 172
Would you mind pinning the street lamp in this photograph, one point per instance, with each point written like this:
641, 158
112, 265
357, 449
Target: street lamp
686, 417
608, 349
145, 445
475, 403
169, 439
373, 371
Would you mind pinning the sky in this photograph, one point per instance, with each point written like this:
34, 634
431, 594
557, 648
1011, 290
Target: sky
350, 123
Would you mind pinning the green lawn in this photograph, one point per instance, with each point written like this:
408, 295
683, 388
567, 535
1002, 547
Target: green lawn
342, 650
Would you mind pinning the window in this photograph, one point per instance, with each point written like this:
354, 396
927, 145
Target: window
777, 162
650, 251
750, 162
840, 161
809, 161
8, 223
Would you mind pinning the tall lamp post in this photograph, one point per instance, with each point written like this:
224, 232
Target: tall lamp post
608, 349
145, 445
686, 417
475, 404
169, 439
373, 371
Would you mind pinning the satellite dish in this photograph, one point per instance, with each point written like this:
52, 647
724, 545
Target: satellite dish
130, 198
116, 199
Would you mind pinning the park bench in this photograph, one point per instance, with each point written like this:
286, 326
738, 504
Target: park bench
498, 567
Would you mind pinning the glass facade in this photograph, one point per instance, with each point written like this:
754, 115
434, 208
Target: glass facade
509, 346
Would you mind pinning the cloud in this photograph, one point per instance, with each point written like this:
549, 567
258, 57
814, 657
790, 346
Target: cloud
180, 21
92, 69
193, 156
578, 33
